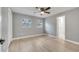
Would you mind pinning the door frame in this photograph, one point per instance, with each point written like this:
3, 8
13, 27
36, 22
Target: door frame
57, 33
0, 23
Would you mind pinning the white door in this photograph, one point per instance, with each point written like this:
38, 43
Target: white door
0, 28
0, 22
9, 26
61, 27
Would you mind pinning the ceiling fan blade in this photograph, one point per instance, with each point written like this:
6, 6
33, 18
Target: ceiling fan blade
48, 8
47, 12
42, 9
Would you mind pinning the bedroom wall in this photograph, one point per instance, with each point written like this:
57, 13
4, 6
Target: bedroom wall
71, 24
50, 25
19, 30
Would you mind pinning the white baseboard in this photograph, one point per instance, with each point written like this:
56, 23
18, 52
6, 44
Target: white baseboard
50, 35
74, 42
28, 36
24, 37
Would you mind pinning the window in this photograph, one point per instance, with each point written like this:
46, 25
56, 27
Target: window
40, 24
27, 23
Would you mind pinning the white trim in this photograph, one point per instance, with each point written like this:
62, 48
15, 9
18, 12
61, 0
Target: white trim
74, 42
28, 36
9, 26
24, 37
0, 22
50, 35
59, 34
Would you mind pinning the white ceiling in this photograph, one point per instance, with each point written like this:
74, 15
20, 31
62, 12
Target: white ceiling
32, 11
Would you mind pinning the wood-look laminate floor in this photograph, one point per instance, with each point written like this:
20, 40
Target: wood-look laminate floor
42, 44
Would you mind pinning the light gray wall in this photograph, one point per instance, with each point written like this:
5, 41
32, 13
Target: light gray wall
50, 25
72, 24
18, 29
5, 27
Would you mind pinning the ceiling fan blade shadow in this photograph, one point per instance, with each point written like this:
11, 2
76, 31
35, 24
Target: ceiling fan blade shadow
47, 12
48, 8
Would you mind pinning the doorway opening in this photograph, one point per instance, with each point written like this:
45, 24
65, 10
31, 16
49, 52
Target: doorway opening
61, 27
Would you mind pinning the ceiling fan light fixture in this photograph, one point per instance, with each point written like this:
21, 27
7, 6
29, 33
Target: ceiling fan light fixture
42, 12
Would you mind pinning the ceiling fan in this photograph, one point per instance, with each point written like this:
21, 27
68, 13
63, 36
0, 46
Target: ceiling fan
43, 10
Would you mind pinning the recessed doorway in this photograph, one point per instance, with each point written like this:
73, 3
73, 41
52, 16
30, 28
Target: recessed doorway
61, 27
